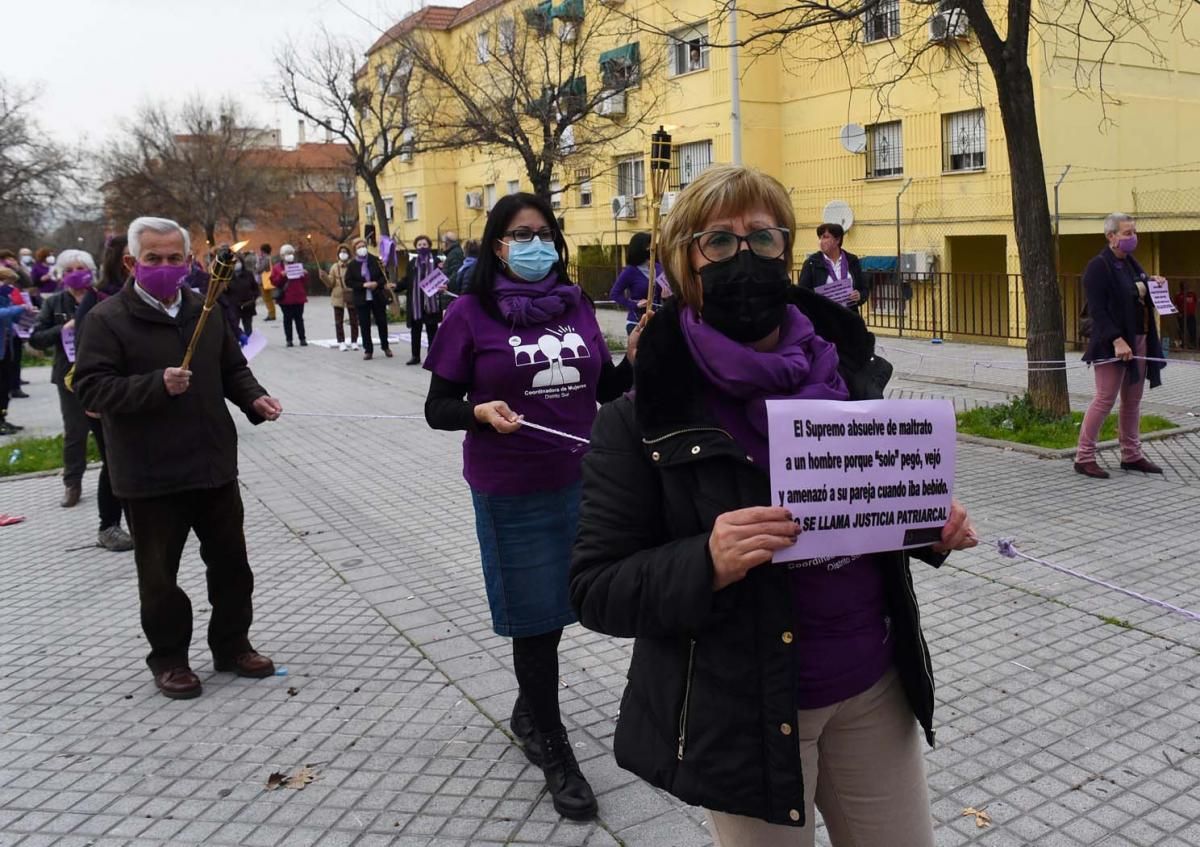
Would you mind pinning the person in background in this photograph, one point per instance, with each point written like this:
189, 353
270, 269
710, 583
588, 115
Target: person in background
291, 293
460, 283
756, 690
1123, 327
18, 285
43, 263
422, 310
525, 341
57, 317
1185, 303
370, 289
10, 312
243, 293
263, 269
633, 283
831, 262
172, 448
453, 256
342, 299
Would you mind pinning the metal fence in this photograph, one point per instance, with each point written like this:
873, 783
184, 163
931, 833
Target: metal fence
990, 307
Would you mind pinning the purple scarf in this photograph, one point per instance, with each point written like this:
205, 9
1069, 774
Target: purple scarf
803, 366
533, 303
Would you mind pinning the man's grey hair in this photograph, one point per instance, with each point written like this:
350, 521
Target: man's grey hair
72, 257
163, 226
1113, 222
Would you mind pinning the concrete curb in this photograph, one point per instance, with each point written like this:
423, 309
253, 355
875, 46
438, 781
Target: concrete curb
1069, 452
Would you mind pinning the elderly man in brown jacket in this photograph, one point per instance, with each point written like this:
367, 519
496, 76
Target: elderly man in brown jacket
172, 451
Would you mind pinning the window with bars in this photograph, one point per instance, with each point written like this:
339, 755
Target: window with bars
882, 21
688, 161
631, 177
688, 50
964, 141
885, 150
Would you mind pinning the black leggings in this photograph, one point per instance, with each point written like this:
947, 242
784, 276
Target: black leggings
373, 309
431, 326
535, 660
293, 313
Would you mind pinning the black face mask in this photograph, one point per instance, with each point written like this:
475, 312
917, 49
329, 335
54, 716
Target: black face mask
745, 298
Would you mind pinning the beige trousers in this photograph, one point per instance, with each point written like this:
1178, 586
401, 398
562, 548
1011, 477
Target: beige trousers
863, 769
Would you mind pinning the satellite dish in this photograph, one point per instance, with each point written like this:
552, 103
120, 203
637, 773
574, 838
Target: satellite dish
838, 212
853, 138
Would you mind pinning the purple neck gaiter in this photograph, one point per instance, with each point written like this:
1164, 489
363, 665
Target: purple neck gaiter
533, 303
802, 366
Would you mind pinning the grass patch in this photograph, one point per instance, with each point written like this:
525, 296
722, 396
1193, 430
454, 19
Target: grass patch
1121, 622
1018, 421
616, 343
37, 454
31, 358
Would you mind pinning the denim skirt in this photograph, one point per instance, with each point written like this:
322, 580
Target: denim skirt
525, 542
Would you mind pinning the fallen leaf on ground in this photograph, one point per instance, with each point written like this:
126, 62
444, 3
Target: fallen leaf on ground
302, 777
293, 691
982, 818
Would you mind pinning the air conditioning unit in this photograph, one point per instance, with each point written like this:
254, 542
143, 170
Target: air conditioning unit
917, 262
668, 201
612, 106
474, 199
948, 24
624, 207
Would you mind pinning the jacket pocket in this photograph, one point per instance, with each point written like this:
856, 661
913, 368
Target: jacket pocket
687, 697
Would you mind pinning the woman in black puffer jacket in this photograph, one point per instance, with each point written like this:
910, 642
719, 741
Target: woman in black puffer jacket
755, 692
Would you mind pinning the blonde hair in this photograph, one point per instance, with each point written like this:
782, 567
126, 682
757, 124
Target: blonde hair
722, 190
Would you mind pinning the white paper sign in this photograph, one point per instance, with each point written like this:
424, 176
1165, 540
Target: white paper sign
861, 477
1161, 295
68, 342
837, 290
429, 285
294, 271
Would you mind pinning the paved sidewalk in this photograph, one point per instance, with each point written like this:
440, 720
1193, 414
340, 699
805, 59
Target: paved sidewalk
1069, 711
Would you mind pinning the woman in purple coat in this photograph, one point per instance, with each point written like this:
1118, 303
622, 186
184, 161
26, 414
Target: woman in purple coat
633, 283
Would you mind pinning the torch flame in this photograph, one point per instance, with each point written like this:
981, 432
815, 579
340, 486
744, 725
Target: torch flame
239, 247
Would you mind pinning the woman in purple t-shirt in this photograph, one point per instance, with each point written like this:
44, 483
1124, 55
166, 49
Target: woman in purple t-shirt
755, 691
524, 344
633, 283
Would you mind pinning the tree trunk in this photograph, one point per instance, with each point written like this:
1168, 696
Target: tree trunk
210, 233
382, 227
1035, 238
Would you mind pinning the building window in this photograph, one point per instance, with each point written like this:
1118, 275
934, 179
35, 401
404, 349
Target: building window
506, 35
964, 141
556, 194
389, 206
345, 186
631, 177
514, 186
410, 207
688, 161
585, 194
620, 68
482, 51
369, 211
882, 21
688, 50
489, 195
885, 150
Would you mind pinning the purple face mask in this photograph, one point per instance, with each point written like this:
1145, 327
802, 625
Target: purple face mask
77, 279
1127, 244
160, 281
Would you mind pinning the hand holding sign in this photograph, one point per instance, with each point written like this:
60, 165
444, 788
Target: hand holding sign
68, 341
431, 283
863, 477
1161, 295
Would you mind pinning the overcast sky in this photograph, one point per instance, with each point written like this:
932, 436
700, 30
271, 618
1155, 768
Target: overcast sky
97, 60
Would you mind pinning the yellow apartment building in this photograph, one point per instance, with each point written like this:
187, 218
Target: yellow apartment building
921, 162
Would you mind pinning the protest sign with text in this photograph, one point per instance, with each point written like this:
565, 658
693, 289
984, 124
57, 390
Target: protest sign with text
1161, 295
861, 477
431, 283
293, 270
837, 290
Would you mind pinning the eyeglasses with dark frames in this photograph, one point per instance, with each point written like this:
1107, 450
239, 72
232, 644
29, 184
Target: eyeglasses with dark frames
524, 234
719, 245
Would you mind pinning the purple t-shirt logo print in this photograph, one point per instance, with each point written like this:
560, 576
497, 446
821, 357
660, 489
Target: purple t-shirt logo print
553, 348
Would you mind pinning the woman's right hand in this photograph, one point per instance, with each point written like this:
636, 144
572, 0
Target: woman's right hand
370, 286
1123, 350
498, 416
746, 538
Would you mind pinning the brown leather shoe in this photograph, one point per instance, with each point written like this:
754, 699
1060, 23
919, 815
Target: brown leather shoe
251, 664
71, 495
1143, 464
178, 683
1091, 469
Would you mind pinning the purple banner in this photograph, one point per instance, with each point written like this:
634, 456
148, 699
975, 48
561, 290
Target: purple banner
861, 477
255, 345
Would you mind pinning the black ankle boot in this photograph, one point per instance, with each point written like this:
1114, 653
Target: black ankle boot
573, 797
521, 724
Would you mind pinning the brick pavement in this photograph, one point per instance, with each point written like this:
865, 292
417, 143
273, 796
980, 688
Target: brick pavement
1069, 729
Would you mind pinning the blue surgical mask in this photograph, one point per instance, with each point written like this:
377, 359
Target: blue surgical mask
533, 260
